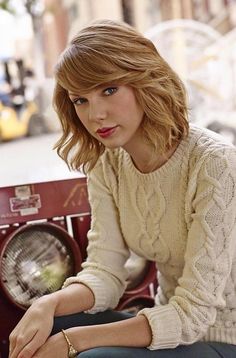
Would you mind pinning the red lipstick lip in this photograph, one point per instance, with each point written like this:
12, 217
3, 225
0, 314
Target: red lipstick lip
106, 131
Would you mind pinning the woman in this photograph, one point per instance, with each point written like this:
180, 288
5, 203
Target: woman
158, 186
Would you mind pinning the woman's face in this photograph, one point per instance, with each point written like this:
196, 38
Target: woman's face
111, 114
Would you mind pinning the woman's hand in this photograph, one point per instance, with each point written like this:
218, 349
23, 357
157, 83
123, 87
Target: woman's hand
54, 347
33, 329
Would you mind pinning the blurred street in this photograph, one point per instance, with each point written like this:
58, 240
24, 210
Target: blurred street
197, 38
31, 160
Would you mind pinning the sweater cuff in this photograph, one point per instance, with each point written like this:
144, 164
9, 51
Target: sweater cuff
102, 301
165, 326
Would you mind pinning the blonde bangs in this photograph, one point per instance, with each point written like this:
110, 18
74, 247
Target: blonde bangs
85, 69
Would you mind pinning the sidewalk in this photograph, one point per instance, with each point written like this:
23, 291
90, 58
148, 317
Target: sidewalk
32, 160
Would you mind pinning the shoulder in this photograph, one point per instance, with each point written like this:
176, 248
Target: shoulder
110, 160
107, 167
212, 171
207, 140
207, 146
210, 159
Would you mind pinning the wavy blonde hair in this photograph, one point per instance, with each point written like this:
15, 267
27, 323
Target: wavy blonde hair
104, 52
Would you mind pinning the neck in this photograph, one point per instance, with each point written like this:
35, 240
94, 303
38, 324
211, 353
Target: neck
147, 161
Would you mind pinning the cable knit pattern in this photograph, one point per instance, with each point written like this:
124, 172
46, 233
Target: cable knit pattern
183, 217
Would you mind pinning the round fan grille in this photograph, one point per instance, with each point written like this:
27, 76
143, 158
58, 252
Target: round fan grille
36, 260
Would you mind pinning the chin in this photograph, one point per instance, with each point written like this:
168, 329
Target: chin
112, 146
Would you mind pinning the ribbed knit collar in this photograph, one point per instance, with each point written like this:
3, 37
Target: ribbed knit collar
174, 161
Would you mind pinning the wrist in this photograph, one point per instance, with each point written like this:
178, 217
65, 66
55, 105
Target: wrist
48, 302
80, 338
71, 351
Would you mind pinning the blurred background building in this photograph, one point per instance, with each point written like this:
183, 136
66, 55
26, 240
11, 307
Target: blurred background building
197, 38
63, 18
58, 20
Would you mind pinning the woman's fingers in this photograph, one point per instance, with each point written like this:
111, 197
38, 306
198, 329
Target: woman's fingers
25, 347
21, 343
26, 339
32, 330
54, 347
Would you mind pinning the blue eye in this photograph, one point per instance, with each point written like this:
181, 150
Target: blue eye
110, 90
79, 101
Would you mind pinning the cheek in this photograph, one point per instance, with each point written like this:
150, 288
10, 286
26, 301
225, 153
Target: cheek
77, 112
136, 112
84, 123
81, 116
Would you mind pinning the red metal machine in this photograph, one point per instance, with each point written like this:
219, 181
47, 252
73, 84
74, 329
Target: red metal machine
48, 222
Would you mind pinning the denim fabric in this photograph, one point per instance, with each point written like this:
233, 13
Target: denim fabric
196, 350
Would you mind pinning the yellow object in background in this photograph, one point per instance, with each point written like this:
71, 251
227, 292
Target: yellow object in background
19, 123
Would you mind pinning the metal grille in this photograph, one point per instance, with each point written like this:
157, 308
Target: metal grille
36, 261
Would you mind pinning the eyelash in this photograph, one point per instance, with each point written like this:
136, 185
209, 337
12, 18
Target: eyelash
114, 90
77, 102
81, 100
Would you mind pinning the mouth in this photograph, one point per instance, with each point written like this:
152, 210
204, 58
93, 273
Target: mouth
106, 131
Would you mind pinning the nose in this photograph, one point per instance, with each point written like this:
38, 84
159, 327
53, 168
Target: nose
97, 110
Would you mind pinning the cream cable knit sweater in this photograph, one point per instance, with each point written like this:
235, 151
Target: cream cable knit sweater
183, 217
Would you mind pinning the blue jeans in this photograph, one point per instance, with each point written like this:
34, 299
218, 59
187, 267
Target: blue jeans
196, 350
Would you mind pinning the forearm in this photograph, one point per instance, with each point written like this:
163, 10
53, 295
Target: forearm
72, 299
132, 332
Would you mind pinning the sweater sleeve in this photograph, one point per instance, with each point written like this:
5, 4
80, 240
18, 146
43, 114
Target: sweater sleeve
103, 271
208, 257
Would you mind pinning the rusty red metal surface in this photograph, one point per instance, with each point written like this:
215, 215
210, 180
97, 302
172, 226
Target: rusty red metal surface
60, 202
64, 203
43, 200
